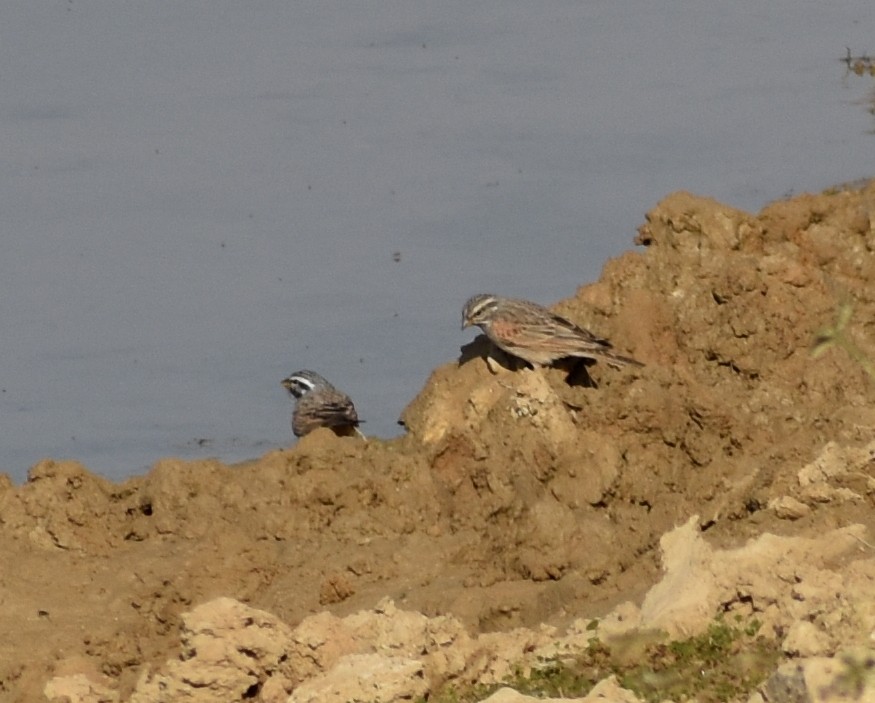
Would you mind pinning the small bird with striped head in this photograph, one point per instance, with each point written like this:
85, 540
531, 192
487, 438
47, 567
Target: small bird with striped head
532, 333
319, 404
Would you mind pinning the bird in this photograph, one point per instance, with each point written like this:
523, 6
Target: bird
319, 404
532, 333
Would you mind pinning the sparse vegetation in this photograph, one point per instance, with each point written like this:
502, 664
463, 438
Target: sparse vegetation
837, 336
860, 64
726, 662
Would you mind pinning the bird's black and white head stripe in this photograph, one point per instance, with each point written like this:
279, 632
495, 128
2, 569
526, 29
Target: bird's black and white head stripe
302, 382
478, 309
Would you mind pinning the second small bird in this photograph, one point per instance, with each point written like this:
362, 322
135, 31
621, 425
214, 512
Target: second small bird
319, 404
534, 334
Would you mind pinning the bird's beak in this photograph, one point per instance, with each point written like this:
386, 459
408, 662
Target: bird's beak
465, 322
287, 384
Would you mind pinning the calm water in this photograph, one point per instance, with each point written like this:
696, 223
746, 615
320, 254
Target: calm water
198, 198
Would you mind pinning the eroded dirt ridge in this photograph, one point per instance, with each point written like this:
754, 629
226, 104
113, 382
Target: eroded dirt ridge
516, 499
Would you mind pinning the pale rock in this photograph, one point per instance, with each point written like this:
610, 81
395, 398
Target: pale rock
318, 642
818, 492
229, 652
682, 602
605, 691
833, 462
609, 691
535, 400
442, 644
836, 460
700, 581
805, 639
403, 632
78, 688
365, 678
822, 492
509, 695
789, 508
495, 656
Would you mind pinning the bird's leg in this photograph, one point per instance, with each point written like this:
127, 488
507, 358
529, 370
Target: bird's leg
499, 361
494, 366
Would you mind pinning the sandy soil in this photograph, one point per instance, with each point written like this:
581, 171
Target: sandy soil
516, 498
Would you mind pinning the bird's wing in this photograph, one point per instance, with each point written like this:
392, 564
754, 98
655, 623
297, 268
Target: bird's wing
336, 412
566, 329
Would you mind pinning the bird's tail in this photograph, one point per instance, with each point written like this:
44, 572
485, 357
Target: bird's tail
618, 360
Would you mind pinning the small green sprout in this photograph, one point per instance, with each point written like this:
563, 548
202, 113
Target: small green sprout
836, 336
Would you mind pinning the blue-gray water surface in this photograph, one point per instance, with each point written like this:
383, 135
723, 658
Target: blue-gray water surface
199, 198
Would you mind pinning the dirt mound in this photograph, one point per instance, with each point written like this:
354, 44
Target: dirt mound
516, 498
230, 651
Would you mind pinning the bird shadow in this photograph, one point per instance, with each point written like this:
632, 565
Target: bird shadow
576, 369
481, 348
578, 375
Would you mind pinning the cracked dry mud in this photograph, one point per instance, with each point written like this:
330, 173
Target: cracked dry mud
733, 474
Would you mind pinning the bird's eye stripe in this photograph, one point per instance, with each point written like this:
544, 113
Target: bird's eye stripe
481, 306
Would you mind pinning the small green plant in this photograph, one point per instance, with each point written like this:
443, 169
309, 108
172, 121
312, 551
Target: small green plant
836, 336
725, 662
728, 661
